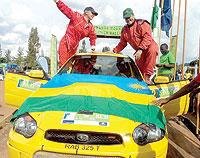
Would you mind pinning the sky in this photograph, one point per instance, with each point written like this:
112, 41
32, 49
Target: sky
18, 16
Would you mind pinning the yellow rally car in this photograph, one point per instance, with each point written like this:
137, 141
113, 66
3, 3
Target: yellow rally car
96, 106
19, 86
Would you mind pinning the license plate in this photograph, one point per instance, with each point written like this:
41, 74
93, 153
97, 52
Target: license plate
78, 147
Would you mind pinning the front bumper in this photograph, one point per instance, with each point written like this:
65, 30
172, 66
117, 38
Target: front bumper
20, 147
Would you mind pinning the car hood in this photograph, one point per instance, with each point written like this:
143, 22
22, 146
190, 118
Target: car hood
109, 95
83, 122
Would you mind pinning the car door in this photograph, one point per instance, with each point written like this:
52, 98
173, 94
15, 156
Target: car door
176, 107
18, 87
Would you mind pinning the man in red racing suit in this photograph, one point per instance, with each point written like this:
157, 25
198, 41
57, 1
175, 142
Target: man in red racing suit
138, 34
78, 28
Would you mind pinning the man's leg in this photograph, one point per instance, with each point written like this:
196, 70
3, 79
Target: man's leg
147, 63
63, 52
140, 63
150, 62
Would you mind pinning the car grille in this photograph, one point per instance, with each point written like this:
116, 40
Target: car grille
42, 154
80, 137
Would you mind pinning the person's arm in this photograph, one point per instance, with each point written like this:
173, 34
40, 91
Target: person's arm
159, 65
146, 36
121, 45
183, 91
64, 8
195, 92
169, 65
166, 65
92, 38
138, 54
171, 60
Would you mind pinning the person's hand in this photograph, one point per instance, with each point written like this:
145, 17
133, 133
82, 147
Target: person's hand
160, 102
138, 54
159, 65
93, 48
114, 51
55, 1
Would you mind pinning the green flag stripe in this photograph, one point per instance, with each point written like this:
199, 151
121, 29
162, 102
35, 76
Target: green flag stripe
110, 106
154, 17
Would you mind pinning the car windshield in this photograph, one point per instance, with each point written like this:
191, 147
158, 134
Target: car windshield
101, 65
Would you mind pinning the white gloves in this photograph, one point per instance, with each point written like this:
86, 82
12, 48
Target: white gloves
138, 54
93, 48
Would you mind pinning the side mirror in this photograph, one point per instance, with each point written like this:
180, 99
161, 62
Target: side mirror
161, 79
36, 74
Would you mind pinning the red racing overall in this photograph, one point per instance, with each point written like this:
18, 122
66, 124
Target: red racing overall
78, 28
139, 37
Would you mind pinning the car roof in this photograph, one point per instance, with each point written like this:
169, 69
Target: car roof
102, 54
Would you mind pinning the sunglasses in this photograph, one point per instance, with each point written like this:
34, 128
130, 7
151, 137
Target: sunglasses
129, 19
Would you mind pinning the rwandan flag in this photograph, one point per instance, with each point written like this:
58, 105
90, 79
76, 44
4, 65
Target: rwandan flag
166, 17
110, 95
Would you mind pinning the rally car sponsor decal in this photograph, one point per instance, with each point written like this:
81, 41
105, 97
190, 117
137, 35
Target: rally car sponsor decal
92, 119
28, 84
166, 91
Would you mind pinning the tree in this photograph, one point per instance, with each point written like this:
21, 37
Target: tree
0, 51
8, 56
83, 47
33, 47
2, 60
20, 59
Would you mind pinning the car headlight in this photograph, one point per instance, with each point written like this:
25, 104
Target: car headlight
25, 125
147, 133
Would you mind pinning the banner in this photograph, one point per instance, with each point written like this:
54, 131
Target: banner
173, 45
42, 61
53, 56
108, 31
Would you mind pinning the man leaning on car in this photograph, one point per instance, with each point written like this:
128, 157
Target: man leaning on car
79, 27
